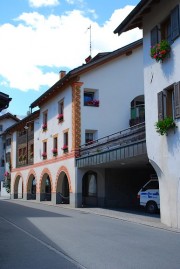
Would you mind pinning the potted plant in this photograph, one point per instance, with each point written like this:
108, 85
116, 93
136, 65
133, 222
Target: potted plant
160, 51
44, 155
65, 148
60, 117
163, 126
92, 103
44, 126
54, 151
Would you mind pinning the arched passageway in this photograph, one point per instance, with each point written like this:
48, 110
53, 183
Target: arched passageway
45, 189
18, 188
31, 188
89, 189
62, 191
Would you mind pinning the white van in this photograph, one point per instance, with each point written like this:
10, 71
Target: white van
148, 196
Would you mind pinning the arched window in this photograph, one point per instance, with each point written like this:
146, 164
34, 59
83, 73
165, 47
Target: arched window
90, 184
137, 110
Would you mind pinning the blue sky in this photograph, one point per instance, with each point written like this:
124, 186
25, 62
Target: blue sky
41, 37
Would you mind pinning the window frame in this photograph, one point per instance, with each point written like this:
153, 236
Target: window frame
160, 32
93, 95
169, 99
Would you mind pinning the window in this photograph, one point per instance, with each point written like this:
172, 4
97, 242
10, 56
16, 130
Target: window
1, 128
55, 146
8, 157
31, 150
169, 29
8, 142
154, 36
89, 137
88, 97
91, 98
60, 116
55, 143
169, 102
45, 121
65, 145
152, 185
44, 154
66, 138
61, 107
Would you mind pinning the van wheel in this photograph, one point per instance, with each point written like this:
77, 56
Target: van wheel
151, 207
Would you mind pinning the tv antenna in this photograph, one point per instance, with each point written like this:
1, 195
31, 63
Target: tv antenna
89, 28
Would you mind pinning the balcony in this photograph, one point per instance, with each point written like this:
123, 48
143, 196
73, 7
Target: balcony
115, 149
137, 115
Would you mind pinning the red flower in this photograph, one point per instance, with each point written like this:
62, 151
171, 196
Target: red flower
60, 116
44, 126
6, 174
64, 147
44, 154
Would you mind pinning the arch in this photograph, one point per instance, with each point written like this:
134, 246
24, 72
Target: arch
31, 185
18, 186
63, 188
89, 189
45, 185
65, 170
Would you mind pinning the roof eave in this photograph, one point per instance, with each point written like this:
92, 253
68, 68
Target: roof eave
134, 19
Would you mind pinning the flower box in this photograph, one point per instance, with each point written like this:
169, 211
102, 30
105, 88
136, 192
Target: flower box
44, 155
55, 152
65, 148
44, 127
60, 117
92, 103
163, 126
160, 51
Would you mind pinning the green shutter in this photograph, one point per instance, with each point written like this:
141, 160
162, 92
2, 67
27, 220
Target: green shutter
177, 100
160, 106
175, 29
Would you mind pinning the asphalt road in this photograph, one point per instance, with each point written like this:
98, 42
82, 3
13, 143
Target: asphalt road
38, 236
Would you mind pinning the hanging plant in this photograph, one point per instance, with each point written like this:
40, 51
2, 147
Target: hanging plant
160, 51
163, 126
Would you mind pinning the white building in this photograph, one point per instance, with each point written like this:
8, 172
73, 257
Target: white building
6, 120
160, 21
88, 103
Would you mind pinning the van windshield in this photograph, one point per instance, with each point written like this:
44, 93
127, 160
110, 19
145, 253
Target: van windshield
152, 185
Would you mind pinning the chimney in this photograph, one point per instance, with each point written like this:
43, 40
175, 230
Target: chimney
62, 74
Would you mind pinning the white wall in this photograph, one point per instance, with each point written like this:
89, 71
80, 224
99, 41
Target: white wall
118, 83
163, 151
54, 127
6, 123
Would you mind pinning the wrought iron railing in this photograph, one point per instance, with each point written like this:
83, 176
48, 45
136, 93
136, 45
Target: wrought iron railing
125, 137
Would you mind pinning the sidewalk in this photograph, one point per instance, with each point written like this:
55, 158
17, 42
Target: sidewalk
130, 216
135, 217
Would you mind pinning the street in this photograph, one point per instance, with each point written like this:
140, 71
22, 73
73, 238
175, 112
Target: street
39, 236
